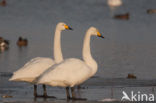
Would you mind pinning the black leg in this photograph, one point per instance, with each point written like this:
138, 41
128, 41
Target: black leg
73, 92
44, 91
67, 93
35, 90
74, 96
78, 87
44, 94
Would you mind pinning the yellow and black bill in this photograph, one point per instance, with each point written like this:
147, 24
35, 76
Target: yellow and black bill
68, 27
99, 34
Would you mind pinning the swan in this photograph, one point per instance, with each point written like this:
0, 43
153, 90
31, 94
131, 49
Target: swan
114, 3
72, 72
36, 66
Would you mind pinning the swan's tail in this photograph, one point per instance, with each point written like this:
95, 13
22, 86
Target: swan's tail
12, 78
21, 79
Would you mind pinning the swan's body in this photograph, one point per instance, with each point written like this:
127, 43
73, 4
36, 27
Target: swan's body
35, 67
32, 69
72, 72
76, 69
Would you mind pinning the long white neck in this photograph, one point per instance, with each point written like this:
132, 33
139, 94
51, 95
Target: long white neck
57, 46
87, 57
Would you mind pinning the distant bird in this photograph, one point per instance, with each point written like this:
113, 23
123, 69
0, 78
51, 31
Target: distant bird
131, 76
3, 3
151, 11
72, 72
22, 42
122, 16
4, 43
114, 3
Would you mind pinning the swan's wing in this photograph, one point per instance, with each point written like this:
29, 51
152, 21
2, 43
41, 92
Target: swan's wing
32, 69
70, 72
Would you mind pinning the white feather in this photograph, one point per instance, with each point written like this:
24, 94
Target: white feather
66, 73
32, 69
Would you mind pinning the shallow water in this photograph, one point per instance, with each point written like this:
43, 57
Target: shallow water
128, 47
95, 90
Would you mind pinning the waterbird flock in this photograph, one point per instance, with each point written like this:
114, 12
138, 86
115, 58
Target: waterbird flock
4, 44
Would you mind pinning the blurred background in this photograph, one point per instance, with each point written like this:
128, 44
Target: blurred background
130, 31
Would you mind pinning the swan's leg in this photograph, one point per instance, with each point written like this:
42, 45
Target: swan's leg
73, 93
74, 96
67, 93
44, 91
35, 90
79, 87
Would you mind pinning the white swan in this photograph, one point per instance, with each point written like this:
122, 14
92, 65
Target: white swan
35, 67
114, 3
72, 71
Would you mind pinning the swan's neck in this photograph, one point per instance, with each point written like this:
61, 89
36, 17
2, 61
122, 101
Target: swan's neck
87, 54
57, 47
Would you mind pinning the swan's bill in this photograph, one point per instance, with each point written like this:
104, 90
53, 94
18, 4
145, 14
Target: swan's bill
99, 34
68, 27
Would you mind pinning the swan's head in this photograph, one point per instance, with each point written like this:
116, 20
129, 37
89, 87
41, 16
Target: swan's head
63, 26
94, 31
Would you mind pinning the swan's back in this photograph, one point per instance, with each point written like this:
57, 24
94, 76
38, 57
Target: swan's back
32, 69
70, 72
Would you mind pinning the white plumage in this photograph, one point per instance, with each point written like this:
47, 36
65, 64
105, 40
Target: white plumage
72, 72
32, 69
114, 3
